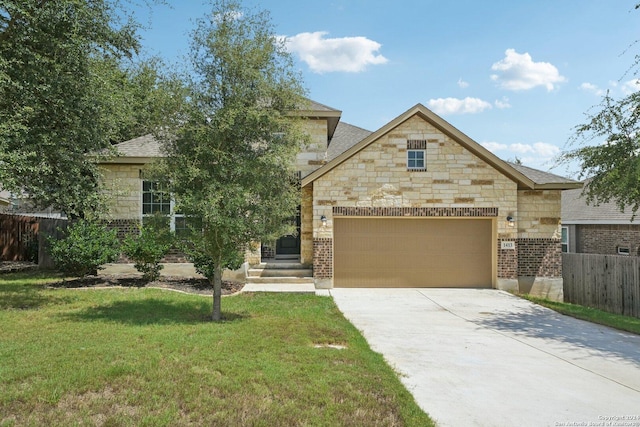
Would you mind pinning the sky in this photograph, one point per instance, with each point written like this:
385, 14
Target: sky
517, 76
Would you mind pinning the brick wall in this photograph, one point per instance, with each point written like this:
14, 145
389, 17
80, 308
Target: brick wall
606, 238
322, 258
539, 257
507, 260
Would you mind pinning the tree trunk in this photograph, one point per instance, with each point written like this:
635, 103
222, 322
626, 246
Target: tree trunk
217, 293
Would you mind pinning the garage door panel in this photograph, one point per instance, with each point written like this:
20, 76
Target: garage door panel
398, 252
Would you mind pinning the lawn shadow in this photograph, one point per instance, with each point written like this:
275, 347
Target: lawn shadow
31, 297
93, 281
151, 311
546, 324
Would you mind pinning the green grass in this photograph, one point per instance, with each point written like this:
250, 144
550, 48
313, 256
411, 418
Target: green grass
624, 323
149, 357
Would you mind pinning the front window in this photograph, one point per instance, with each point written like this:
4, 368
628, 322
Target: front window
155, 200
415, 159
565, 239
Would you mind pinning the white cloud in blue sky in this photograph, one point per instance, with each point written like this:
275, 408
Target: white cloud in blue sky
519, 72
457, 64
630, 86
538, 154
446, 106
590, 87
325, 55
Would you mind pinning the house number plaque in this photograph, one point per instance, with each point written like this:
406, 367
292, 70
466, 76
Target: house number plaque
507, 245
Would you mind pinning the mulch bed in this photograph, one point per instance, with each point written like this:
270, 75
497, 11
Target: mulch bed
191, 285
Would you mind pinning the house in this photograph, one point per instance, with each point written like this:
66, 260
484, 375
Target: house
415, 203
597, 229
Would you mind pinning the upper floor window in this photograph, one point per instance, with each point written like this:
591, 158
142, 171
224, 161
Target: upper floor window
415, 159
417, 155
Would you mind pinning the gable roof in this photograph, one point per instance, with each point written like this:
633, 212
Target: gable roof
345, 137
526, 178
137, 150
576, 210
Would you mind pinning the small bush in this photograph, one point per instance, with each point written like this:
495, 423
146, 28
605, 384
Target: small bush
148, 248
85, 247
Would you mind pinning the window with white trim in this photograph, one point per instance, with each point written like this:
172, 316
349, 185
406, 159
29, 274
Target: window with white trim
565, 239
417, 155
157, 201
623, 250
415, 159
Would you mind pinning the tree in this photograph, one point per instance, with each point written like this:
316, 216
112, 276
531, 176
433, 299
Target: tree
612, 165
231, 151
64, 92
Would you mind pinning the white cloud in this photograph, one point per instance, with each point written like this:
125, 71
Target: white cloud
518, 72
494, 146
536, 155
462, 84
590, 87
630, 86
458, 106
324, 55
503, 103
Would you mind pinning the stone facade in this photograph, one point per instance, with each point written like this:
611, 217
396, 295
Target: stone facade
314, 154
124, 188
376, 181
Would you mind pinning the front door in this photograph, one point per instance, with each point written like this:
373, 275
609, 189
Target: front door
287, 246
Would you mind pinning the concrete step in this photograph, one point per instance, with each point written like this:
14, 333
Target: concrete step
281, 280
280, 265
272, 272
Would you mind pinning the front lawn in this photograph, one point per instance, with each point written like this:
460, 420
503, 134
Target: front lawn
624, 323
138, 356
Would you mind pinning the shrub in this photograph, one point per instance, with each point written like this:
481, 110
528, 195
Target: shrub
85, 247
148, 248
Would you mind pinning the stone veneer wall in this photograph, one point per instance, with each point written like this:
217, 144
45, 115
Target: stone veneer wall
377, 177
313, 155
538, 222
606, 238
306, 226
123, 187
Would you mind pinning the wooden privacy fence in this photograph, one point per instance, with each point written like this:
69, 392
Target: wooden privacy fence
23, 238
606, 282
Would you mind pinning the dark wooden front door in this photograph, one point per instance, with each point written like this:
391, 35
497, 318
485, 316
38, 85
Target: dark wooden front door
290, 244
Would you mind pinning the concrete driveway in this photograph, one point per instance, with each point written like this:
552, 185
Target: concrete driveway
487, 358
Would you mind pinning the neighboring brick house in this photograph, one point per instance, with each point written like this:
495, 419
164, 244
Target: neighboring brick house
601, 229
416, 203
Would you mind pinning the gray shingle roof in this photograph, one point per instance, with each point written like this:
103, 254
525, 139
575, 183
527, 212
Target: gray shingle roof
143, 146
345, 137
316, 106
540, 177
575, 210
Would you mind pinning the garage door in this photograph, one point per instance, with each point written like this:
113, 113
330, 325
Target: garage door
410, 252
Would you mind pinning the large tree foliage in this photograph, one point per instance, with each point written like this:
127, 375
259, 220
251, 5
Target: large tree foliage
230, 154
64, 93
612, 164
